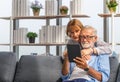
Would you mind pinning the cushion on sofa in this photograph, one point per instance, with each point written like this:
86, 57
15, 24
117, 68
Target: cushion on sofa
38, 69
7, 66
114, 63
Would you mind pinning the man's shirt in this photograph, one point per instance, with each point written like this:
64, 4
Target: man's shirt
100, 63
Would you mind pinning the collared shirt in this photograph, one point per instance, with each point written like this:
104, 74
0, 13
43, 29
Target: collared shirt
100, 63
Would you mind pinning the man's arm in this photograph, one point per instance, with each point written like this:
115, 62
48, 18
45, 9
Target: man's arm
103, 68
65, 67
95, 74
80, 62
65, 72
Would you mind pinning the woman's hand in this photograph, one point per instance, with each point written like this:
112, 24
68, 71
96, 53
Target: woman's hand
85, 53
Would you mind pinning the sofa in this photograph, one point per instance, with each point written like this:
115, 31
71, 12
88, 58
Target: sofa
37, 68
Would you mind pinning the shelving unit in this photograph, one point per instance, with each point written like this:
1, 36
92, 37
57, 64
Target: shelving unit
11, 33
112, 27
14, 24
108, 15
16, 19
40, 44
51, 17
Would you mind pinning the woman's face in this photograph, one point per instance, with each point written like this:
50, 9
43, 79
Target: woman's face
75, 34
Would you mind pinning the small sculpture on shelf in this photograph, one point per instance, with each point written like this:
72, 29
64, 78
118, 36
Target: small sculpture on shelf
32, 36
63, 10
112, 4
36, 6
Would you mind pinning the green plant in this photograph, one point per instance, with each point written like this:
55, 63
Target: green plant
64, 9
111, 3
31, 35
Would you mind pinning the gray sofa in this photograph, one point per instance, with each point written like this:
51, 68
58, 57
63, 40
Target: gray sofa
32, 68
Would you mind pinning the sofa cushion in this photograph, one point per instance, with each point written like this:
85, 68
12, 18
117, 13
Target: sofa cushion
7, 66
38, 69
114, 63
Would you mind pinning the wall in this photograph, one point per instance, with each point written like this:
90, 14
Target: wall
34, 25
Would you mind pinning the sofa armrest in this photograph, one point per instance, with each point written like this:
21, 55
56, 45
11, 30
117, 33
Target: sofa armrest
114, 63
118, 75
7, 66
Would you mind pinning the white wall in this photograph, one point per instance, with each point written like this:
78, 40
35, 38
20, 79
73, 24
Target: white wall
87, 8
5, 8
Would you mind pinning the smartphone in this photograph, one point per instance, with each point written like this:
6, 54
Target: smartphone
73, 51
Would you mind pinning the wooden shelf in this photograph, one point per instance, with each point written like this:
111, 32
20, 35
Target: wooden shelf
40, 44
108, 15
45, 17
6, 18
115, 43
4, 44
50, 17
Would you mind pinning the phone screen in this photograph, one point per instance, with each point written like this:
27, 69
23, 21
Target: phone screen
73, 51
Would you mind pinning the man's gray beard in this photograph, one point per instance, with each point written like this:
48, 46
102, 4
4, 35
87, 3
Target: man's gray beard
88, 45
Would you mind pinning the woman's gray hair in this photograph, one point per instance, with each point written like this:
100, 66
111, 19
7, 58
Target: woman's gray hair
90, 27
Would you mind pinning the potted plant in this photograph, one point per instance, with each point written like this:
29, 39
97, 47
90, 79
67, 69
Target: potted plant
112, 4
63, 10
31, 36
36, 6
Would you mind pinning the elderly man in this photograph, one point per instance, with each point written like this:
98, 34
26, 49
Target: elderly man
93, 68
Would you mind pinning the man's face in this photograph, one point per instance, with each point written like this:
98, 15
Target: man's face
87, 38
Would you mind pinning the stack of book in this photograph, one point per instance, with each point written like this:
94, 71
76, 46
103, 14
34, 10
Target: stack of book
52, 34
51, 7
19, 36
20, 8
75, 7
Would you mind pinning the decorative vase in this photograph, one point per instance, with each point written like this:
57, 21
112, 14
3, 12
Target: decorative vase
112, 10
36, 12
63, 12
31, 40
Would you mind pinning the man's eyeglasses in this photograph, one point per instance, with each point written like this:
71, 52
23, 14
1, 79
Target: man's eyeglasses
87, 37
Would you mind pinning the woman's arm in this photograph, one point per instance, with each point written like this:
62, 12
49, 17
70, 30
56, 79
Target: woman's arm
102, 47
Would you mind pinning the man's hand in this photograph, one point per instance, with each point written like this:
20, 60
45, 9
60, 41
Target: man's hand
81, 63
